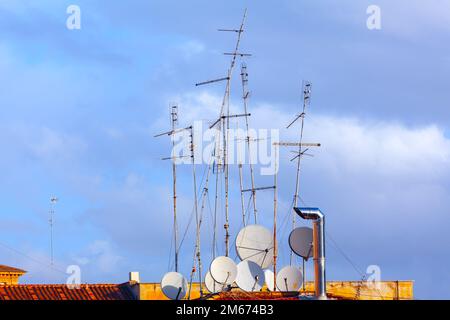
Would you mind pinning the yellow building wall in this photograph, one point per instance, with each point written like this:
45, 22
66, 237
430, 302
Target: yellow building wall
359, 290
9, 278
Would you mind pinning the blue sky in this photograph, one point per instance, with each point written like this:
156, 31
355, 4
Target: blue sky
79, 109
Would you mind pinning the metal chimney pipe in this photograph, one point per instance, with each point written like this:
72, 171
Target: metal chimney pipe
319, 248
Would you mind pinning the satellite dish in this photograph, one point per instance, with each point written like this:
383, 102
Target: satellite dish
223, 270
301, 242
250, 276
174, 286
289, 279
212, 285
255, 243
270, 279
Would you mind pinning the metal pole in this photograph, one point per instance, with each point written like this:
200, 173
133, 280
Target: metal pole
275, 204
174, 115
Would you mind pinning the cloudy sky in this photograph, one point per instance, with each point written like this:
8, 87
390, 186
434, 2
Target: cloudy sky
79, 109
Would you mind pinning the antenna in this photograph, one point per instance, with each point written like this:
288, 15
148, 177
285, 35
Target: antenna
301, 242
225, 111
174, 122
250, 276
306, 102
223, 270
53, 201
212, 285
174, 286
289, 279
255, 243
197, 217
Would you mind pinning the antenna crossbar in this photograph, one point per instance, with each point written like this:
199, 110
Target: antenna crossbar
229, 116
258, 189
212, 81
296, 144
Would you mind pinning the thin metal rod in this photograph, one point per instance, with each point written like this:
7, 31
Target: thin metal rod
306, 96
197, 217
174, 118
242, 194
229, 116
211, 81
297, 144
275, 204
237, 54
245, 95
53, 201
259, 189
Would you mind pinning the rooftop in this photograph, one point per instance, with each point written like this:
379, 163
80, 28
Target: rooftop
63, 292
9, 269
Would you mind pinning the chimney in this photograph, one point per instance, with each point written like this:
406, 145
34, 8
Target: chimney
134, 277
319, 248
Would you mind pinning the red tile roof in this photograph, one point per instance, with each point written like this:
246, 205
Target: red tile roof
9, 269
62, 292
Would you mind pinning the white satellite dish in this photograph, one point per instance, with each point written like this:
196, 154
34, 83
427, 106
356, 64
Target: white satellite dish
174, 285
255, 243
301, 242
289, 279
250, 276
212, 285
269, 276
223, 270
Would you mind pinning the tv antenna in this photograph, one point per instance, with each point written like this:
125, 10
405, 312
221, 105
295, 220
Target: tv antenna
53, 201
224, 119
174, 122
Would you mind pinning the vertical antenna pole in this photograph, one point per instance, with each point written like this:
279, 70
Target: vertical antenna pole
306, 98
275, 204
226, 225
174, 118
197, 217
53, 201
245, 96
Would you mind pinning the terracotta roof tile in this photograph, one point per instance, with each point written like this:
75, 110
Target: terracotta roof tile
62, 292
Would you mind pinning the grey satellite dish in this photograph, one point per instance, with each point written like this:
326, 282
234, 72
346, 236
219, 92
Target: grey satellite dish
301, 242
269, 276
174, 285
289, 279
250, 276
223, 270
212, 285
255, 243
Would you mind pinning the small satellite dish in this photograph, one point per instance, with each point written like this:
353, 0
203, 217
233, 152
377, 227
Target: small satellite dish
270, 279
174, 285
289, 279
250, 276
223, 270
301, 242
255, 243
212, 285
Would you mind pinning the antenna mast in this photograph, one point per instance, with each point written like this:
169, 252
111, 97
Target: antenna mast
306, 101
53, 201
174, 118
245, 96
224, 118
174, 122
